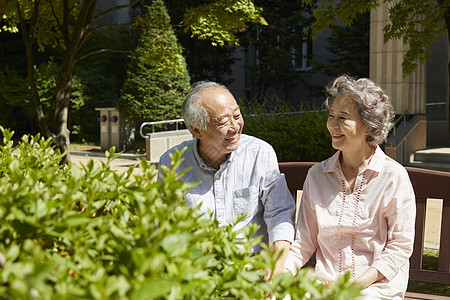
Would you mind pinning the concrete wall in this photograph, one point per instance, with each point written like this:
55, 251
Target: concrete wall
409, 138
386, 67
159, 142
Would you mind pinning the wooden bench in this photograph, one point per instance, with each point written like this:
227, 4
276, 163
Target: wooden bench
427, 184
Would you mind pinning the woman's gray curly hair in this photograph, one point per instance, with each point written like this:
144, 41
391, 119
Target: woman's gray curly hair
374, 105
193, 112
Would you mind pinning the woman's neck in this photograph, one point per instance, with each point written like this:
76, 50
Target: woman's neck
354, 162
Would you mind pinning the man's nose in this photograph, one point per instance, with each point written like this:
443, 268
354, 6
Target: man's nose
234, 125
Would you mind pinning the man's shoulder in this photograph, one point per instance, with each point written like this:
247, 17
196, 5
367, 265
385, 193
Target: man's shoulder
248, 141
186, 144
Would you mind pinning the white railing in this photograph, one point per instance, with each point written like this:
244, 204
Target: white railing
145, 136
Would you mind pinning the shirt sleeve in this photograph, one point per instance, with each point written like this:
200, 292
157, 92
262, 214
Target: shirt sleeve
306, 232
279, 206
164, 160
400, 214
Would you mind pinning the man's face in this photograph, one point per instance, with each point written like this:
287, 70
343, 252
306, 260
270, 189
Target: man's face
224, 126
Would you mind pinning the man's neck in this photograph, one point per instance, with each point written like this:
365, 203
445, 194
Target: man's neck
211, 158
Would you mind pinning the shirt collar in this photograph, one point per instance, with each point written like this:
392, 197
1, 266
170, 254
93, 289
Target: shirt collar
375, 164
202, 163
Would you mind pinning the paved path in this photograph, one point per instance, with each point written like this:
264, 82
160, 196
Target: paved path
121, 164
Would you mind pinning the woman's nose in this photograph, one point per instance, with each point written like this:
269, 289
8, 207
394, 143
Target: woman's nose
332, 123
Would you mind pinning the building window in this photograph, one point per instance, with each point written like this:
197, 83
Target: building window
302, 54
123, 15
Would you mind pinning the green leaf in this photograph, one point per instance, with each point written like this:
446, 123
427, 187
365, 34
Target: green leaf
77, 220
152, 289
174, 242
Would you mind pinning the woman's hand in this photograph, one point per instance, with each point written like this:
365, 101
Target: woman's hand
367, 278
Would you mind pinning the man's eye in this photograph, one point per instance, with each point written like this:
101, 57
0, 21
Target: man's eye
237, 116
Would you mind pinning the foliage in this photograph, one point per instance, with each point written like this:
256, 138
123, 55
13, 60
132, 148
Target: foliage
417, 22
157, 79
88, 232
68, 24
16, 110
295, 134
204, 61
46, 75
277, 47
349, 46
220, 20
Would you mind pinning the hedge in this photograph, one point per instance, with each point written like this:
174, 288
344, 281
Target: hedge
89, 232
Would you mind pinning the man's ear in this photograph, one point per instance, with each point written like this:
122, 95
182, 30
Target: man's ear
197, 132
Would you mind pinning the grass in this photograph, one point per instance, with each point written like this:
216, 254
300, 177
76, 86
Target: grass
429, 262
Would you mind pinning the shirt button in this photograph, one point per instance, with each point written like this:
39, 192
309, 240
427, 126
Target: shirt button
217, 176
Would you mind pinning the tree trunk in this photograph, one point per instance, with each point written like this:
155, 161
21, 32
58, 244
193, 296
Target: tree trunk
74, 41
28, 37
60, 118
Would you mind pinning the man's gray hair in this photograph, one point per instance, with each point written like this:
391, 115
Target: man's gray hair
193, 113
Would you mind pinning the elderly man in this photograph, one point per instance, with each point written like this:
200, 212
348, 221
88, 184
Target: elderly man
238, 173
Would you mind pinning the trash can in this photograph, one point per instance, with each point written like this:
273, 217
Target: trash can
115, 131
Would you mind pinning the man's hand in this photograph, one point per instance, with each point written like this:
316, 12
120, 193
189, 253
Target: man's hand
279, 246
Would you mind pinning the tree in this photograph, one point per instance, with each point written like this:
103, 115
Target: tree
350, 48
157, 78
204, 61
3, 5
417, 22
277, 47
69, 23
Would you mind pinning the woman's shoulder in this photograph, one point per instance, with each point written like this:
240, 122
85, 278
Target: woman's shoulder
392, 167
322, 167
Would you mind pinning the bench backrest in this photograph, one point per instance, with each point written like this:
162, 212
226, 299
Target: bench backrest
426, 184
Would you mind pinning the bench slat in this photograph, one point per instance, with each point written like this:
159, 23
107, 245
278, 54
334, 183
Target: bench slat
416, 257
444, 248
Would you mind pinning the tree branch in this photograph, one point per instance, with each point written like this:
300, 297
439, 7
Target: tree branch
180, 25
100, 15
3, 5
102, 51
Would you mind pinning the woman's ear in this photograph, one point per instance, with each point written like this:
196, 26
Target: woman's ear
197, 132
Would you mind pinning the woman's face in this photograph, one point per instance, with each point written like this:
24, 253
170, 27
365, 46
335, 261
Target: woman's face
347, 130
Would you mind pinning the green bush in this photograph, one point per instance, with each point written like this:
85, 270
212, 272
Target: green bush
69, 232
295, 134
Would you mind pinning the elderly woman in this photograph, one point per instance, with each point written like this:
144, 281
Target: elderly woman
358, 206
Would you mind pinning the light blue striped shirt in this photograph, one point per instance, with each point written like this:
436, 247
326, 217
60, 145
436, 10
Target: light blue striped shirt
248, 182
